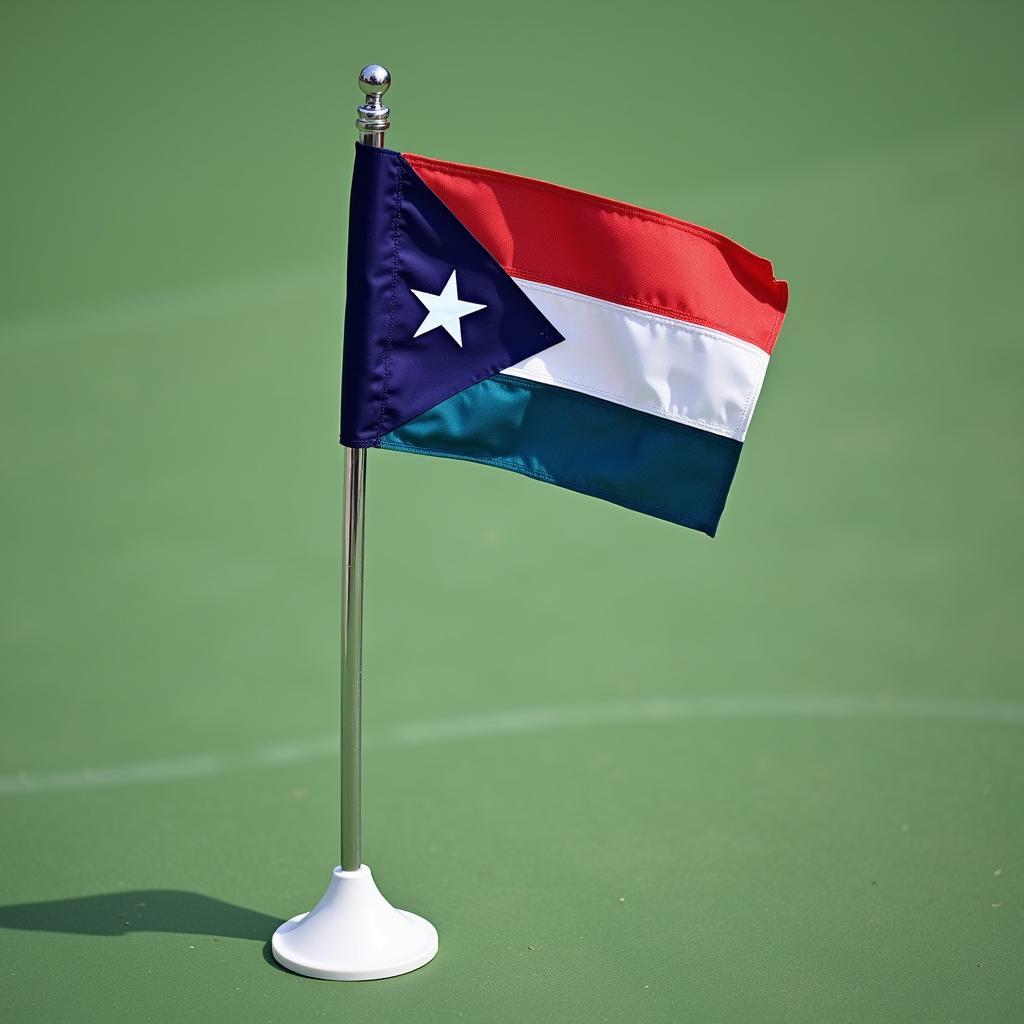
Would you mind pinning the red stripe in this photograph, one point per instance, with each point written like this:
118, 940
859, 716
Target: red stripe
611, 250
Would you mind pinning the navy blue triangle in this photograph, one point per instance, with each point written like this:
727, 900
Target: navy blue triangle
402, 237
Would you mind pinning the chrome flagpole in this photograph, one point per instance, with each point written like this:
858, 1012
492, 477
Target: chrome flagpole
372, 123
353, 933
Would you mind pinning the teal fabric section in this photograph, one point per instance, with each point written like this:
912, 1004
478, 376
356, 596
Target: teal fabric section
643, 462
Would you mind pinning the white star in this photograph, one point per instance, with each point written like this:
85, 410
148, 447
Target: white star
445, 310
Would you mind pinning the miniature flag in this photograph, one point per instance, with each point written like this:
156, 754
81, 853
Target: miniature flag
577, 340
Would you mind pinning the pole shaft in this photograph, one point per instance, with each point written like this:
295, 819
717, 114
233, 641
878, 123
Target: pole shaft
352, 660
372, 123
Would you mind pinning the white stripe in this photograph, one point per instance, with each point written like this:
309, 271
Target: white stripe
654, 364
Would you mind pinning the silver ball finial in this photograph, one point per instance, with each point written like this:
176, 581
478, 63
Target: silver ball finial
372, 122
374, 79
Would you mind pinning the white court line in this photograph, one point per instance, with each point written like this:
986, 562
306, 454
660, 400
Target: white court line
527, 720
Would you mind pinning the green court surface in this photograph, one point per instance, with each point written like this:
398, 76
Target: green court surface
630, 773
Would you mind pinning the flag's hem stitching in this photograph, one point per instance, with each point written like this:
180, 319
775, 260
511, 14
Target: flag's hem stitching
395, 263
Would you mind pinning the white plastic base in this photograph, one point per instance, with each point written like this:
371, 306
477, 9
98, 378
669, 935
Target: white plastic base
354, 934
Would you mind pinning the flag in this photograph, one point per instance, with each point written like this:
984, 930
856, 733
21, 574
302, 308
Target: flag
578, 340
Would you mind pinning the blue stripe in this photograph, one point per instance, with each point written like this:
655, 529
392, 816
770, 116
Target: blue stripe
643, 462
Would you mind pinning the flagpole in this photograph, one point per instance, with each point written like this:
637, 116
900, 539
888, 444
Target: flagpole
352, 660
372, 123
353, 933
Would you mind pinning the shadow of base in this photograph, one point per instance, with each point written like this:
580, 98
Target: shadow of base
173, 911
268, 955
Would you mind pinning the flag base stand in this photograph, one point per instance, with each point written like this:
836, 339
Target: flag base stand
354, 934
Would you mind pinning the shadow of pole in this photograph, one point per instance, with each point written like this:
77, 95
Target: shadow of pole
141, 910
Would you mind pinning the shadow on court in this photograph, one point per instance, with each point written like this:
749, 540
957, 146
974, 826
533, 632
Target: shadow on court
141, 910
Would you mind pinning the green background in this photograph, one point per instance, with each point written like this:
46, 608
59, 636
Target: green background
631, 774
